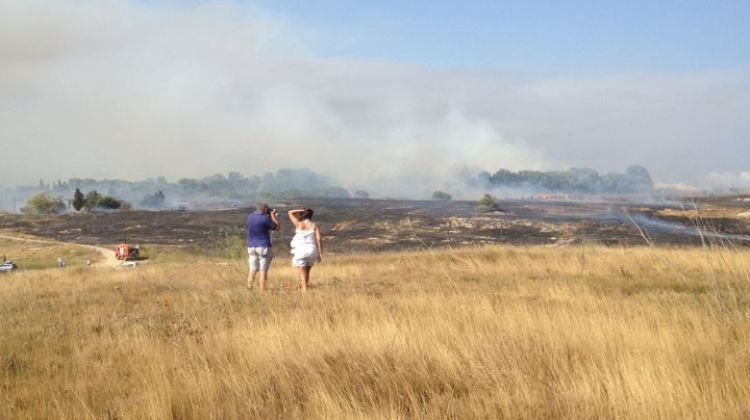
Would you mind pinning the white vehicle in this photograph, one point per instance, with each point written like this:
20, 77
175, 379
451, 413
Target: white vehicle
7, 267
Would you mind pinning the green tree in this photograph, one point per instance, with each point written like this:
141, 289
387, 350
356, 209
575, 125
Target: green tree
79, 200
92, 200
639, 178
43, 203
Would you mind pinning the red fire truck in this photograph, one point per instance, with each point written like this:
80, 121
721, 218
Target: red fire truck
127, 252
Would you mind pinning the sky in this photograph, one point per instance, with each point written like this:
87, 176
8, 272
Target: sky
382, 95
548, 37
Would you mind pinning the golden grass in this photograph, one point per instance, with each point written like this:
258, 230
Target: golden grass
496, 332
706, 212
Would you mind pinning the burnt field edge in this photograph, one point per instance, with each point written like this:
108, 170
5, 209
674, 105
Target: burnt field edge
382, 225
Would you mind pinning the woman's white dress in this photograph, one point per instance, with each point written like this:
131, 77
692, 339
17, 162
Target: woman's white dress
304, 248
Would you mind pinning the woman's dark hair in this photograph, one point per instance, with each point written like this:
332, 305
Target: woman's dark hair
306, 215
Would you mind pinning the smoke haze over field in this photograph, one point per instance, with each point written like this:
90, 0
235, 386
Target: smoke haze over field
135, 89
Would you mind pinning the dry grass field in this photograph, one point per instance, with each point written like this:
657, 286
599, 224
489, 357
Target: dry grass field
496, 332
33, 254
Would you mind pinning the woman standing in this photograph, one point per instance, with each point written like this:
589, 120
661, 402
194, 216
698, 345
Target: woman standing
306, 246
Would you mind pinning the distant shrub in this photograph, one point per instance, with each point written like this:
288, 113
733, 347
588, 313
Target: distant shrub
487, 204
486, 200
441, 196
361, 194
44, 203
94, 200
331, 192
109, 203
155, 200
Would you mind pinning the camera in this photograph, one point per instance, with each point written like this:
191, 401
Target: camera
271, 211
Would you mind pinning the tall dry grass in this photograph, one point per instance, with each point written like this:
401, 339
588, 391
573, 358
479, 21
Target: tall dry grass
496, 332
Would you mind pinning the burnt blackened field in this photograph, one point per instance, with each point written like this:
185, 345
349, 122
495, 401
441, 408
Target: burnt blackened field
358, 225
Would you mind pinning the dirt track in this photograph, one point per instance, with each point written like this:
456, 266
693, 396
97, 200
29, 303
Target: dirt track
108, 256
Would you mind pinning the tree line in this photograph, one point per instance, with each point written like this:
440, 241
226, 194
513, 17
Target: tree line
158, 193
635, 179
45, 203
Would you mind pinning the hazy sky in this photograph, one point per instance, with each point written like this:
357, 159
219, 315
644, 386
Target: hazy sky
570, 37
373, 92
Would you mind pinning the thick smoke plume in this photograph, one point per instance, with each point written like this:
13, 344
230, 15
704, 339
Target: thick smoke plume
134, 89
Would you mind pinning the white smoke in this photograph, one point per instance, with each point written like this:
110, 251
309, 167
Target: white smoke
132, 89
730, 180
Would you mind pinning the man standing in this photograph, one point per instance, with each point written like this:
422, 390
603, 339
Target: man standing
259, 226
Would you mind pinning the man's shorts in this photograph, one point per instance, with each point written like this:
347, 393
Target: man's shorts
259, 258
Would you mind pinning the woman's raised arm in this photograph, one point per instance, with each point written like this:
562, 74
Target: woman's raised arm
293, 218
